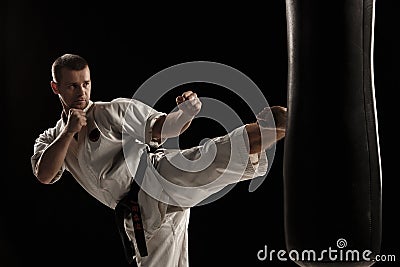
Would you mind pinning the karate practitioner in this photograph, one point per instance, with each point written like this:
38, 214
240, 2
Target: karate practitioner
103, 144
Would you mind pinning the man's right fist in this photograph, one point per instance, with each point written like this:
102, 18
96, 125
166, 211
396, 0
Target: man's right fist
76, 120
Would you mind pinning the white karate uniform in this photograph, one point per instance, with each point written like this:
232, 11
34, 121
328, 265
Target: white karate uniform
105, 167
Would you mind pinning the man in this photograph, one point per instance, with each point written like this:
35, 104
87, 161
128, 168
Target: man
103, 144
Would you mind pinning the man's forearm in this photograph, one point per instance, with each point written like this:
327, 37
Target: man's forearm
53, 157
171, 125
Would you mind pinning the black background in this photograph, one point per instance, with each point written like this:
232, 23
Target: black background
125, 44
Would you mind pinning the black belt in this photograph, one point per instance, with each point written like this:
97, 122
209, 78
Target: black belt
129, 205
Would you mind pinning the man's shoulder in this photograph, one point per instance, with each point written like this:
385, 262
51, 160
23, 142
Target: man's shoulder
122, 104
114, 101
118, 107
52, 131
120, 101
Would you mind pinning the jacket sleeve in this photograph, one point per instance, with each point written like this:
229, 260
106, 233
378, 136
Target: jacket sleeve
41, 143
136, 117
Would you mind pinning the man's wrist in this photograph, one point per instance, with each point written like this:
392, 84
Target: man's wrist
186, 116
68, 134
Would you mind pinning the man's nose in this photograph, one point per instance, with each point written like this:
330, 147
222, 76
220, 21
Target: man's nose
81, 88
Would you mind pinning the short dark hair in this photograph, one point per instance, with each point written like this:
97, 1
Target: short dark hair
70, 61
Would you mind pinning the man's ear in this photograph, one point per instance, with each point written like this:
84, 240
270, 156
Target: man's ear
54, 87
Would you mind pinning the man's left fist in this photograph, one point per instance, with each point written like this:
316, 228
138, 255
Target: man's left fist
189, 103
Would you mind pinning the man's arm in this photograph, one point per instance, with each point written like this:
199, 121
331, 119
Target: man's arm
53, 157
177, 122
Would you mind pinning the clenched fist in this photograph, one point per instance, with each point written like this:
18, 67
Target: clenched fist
76, 120
189, 103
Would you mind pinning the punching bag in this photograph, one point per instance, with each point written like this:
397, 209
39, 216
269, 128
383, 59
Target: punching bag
332, 169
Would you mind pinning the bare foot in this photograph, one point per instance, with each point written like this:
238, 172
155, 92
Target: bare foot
269, 128
273, 117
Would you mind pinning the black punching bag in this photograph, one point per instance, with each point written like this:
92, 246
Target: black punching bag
332, 169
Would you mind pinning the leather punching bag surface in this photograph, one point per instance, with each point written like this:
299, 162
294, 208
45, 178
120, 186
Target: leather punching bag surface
332, 171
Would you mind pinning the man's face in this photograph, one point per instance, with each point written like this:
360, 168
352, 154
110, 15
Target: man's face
74, 88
